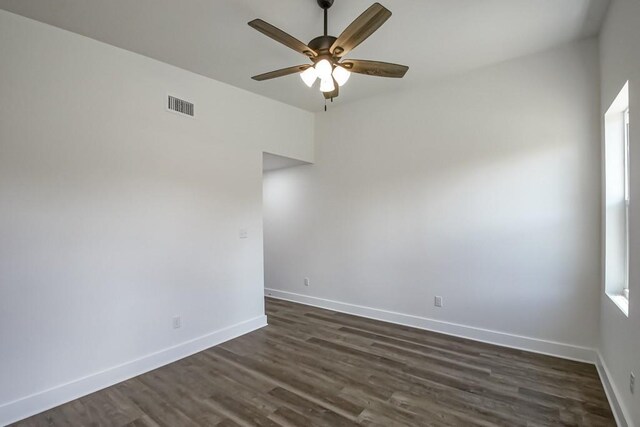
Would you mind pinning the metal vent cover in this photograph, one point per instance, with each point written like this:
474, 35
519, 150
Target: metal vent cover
179, 106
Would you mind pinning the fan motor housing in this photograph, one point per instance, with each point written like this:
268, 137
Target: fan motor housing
322, 44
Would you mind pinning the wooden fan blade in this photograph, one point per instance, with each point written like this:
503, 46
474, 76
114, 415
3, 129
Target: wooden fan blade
375, 68
280, 36
361, 28
280, 73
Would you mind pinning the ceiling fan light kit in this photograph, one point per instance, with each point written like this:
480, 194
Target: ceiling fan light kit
327, 52
324, 69
341, 75
309, 76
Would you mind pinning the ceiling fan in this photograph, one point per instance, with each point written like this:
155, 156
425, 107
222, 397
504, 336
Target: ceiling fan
326, 52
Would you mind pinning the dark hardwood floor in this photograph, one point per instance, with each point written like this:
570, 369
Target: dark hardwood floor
318, 367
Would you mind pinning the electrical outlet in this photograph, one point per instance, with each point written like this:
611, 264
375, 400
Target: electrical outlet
177, 322
437, 301
632, 383
306, 281
243, 233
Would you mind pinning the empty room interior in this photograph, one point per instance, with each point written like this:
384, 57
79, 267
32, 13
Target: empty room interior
319, 213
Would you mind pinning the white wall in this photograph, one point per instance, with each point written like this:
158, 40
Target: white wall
484, 189
620, 336
116, 215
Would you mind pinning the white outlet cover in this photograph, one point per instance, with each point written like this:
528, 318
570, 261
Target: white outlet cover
437, 301
306, 281
243, 233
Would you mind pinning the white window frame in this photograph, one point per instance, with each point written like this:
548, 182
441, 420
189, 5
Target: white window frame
617, 200
627, 201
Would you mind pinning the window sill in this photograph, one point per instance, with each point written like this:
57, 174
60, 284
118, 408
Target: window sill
621, 302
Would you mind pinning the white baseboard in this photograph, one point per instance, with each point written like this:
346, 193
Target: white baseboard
565, 351
30, 405
619, 411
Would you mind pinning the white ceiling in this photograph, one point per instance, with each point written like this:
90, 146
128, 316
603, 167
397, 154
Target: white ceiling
435, 38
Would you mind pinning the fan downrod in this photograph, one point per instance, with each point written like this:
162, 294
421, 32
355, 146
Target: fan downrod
325, 4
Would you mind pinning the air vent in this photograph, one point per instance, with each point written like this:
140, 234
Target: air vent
180, 106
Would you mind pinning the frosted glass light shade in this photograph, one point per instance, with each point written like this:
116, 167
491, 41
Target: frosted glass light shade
324, 69
341, 75
309, 76
327, 85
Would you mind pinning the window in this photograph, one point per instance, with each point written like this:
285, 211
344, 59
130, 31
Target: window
625, 289
617, 200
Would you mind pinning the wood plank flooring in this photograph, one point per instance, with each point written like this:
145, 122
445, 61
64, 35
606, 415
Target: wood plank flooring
317, 367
